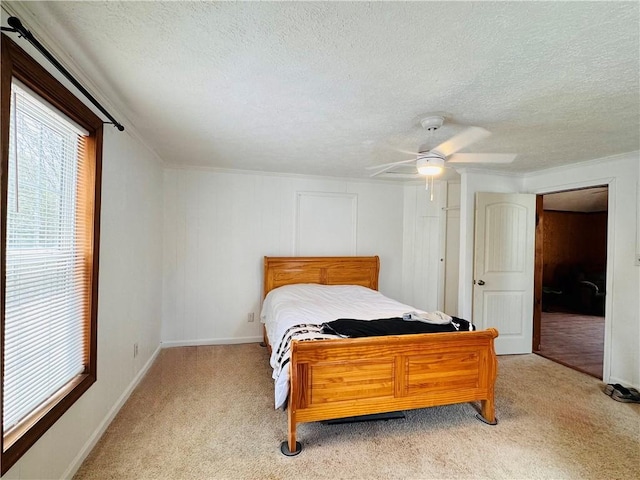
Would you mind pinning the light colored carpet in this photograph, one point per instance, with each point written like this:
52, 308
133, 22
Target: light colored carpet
207, 413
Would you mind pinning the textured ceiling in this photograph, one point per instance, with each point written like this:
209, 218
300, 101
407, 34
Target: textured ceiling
329, 88
583, 200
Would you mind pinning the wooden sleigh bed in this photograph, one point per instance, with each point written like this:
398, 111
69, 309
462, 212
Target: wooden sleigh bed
333, 379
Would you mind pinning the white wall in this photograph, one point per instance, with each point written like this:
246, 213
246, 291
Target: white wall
622, 309
220, 225
129, 302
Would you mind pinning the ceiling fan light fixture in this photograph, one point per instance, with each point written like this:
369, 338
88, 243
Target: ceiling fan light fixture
430, 166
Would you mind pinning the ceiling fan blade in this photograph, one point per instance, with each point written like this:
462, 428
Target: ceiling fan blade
390, 164
461, 140
385, 169
407, 152
482, 158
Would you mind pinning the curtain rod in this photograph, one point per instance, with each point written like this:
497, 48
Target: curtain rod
16, 26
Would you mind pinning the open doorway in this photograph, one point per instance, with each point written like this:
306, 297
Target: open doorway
571, 246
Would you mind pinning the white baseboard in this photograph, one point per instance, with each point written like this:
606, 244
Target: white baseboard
210, 341
91, 442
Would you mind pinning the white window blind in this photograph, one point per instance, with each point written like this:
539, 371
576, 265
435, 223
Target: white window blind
47, 275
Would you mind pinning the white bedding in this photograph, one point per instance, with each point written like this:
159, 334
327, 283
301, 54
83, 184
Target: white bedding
313, 304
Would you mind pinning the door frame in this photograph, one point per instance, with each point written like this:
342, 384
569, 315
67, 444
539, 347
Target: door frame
538, 265
539, 257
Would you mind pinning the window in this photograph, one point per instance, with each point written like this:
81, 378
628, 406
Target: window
51, 165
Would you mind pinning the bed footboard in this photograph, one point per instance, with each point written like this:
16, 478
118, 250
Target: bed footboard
350, 377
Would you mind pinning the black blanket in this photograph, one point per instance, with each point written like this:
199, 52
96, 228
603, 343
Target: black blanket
348, 327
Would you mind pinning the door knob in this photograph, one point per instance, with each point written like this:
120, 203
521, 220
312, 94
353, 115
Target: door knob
480, 282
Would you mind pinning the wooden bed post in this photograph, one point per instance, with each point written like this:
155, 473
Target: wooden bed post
487, 406
488, 414
292, 447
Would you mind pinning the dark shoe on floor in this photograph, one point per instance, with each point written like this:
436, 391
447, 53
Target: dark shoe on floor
610, 388
634, 392
625, 395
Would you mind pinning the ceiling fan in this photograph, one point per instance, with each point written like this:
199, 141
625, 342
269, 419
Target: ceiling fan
431, 163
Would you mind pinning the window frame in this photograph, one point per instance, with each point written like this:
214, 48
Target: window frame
19, 65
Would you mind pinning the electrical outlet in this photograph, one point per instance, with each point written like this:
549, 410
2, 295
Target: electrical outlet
135, 350
250, 317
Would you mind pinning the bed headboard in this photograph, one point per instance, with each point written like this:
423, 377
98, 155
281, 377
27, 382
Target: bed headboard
279, 271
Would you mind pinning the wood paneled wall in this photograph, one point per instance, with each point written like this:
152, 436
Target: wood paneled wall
574, 238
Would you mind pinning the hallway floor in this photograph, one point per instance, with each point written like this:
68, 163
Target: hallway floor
574, 340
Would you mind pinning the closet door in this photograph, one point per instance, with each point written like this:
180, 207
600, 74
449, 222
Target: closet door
423, 249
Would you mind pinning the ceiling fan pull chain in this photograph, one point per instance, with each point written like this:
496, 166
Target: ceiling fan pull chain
426, 186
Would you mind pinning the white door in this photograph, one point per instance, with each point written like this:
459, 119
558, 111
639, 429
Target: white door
503, 270
423, 247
